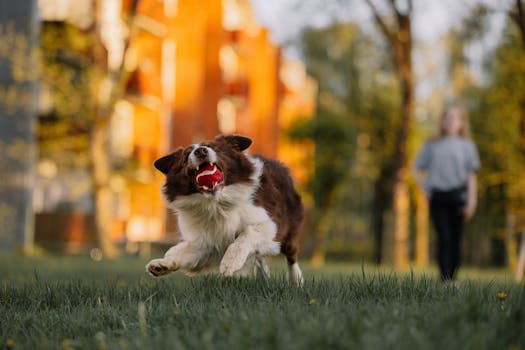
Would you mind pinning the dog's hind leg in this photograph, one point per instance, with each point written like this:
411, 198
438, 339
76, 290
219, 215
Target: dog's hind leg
295, 275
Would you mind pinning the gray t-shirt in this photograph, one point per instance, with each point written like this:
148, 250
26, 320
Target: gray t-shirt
448, 162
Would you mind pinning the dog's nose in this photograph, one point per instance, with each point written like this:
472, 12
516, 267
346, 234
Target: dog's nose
201, 152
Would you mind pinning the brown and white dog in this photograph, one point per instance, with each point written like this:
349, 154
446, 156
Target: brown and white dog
232, 208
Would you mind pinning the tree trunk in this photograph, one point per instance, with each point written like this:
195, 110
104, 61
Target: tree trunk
400, 40
422, 233
519, 18
322, 226
102, 196
522, 125
110, 86
401, 253
382, 200
510, 241
378, 225
520, 21
520, 269
401, 207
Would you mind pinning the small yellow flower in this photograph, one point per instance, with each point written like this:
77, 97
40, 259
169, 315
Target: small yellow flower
502, 295
312, 302
121, 283
67, 345
177, 312
9, 343
227, 327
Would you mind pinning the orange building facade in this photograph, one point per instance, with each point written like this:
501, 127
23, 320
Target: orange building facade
200, 68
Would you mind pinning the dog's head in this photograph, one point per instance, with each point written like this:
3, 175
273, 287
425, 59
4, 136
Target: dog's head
206, 167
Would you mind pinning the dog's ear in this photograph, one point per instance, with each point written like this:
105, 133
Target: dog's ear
238, 142
165, 163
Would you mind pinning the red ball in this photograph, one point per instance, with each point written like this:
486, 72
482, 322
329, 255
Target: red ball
208, 176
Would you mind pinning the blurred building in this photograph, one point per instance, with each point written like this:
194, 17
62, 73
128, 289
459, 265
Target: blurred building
196, 68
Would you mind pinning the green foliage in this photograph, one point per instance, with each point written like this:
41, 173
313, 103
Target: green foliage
495, 112
475, 25
328, 54
357, 87
495, 117
357, 106
333, 140
80, 304
67, 77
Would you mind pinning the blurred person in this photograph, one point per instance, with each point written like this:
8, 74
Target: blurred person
445, 170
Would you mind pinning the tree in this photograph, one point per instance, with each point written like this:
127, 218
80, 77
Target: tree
496, 117
84, 90
502, 98
518, 16
351, 130
331, 127
392, 188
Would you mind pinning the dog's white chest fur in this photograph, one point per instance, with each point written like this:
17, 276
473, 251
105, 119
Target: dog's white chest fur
216, 220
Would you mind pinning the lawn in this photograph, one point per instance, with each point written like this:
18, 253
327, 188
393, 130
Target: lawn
76, 303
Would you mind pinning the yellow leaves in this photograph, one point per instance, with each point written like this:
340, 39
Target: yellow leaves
68, 344
9, 343
502, 296
121, 283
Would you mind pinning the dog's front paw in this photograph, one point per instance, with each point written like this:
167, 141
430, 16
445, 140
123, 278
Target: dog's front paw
160, 267
233, 260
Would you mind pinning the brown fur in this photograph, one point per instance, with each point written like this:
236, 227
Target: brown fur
278, 196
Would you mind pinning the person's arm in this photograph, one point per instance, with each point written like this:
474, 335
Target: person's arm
472, 201
472, 184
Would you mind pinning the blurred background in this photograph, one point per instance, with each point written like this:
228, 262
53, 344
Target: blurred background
342, 91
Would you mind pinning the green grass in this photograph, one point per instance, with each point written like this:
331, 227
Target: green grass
74, 303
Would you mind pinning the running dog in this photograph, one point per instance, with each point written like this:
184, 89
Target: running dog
232, 208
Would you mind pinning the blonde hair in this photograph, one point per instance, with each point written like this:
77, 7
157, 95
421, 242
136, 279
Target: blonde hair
464, 131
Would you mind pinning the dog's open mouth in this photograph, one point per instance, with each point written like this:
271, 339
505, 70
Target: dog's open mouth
208, 177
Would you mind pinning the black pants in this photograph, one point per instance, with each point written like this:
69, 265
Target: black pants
446, 211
